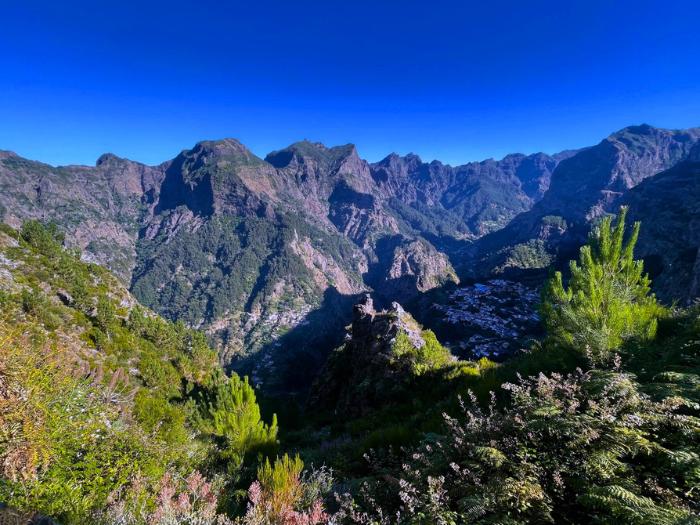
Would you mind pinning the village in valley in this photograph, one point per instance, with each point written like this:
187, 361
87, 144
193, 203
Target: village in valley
491, 319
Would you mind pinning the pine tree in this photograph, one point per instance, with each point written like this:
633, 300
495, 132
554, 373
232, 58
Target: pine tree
236, 417
608, 297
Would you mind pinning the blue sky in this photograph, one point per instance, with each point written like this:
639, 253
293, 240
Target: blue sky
456, 81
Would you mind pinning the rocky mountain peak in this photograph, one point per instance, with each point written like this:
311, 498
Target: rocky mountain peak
108, 159
213, 152
222, 147
6, 154
307, 152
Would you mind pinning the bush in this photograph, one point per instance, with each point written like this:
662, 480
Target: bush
567, 448
282, 496
235, 417
46, 238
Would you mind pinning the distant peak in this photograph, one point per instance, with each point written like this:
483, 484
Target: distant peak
226, 146
6, 154
223, 150
306, 149
639, 129
394, 158
413, 157
108, 158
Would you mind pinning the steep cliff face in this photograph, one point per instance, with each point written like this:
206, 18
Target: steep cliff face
464, 201
242, 247
668, 205
582, 188
383, 353
252, 250
102, 208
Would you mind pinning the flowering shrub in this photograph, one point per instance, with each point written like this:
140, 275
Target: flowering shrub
188, 501
566, 448
282, 495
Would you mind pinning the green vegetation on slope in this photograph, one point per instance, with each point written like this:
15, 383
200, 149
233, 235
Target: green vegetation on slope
103, 404
232, 265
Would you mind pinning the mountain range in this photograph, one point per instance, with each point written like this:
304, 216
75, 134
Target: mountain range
267, 255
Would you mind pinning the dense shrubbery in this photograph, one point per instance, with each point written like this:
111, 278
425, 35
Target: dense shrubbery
567, 447
617, 442
104, 405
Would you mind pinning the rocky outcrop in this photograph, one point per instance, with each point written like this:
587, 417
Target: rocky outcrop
369, 369
406, 265
239, 246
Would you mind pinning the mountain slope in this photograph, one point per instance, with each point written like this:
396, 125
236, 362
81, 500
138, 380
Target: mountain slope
102, 208
668, 204
583, 187
248, 248
266, 255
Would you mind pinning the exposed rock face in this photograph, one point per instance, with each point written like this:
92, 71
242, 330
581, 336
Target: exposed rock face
242, 247
582, 188
251, 249
464, 201
405, 266
668, 205
102, 208
365, 371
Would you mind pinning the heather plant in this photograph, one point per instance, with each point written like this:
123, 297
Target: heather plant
283, 495
607, 300
180, 501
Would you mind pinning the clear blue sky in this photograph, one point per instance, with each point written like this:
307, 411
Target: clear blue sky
457, 80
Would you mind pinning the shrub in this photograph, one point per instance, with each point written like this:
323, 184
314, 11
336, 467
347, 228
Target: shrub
180, 501
46, 238
235, 417
282, 496
64, 444
567, 448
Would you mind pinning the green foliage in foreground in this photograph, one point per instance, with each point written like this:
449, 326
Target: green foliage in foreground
103, 403
567, 449
608, 299
235, 417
